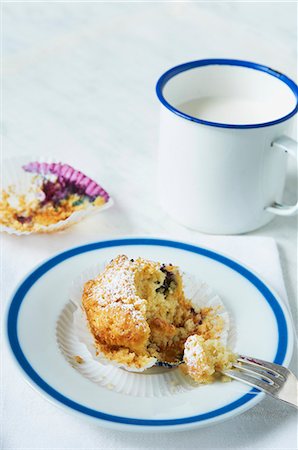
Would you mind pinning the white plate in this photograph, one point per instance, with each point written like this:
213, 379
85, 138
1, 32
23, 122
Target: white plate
263, 330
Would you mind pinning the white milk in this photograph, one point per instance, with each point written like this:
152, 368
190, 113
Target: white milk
229, 110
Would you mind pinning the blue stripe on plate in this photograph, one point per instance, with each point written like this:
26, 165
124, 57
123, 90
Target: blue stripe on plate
49, 264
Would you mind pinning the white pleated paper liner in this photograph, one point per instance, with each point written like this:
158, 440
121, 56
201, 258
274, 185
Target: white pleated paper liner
77, 345
14, 175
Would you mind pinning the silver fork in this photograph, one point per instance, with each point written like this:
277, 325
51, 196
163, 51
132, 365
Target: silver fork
273, 379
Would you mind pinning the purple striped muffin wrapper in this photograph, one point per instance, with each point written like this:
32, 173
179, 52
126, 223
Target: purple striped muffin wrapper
66, 174
56, 181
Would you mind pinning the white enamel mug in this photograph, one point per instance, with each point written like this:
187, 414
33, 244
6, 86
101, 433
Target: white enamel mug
225, 177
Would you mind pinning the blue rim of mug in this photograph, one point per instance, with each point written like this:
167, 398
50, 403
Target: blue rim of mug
284, 344
224, 62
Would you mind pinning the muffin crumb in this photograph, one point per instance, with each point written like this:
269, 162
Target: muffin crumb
79, 359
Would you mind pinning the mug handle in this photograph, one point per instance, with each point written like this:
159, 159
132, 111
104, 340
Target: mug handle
290, 146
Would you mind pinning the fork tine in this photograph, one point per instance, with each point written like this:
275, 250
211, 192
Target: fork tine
283, 384
270, 367
258, 372
255, 382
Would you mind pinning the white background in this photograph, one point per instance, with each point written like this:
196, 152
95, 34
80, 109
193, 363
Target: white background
78, 83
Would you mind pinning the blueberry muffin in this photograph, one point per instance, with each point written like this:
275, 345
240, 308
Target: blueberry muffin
138, 313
